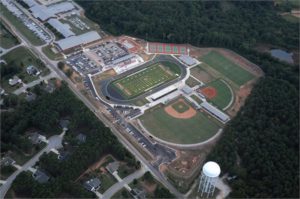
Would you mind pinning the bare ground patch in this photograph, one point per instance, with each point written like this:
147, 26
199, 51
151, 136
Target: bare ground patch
201, 75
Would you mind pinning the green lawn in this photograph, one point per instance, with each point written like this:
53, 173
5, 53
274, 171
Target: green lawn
291, 18
125, 170
50, 54
197, 99
7, 40
184, 131
107, 180
22, 57
146, 79
20, 26
180, 107
224, 95
192, 82
226, 67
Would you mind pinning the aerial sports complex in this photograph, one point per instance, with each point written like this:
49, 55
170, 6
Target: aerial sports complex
179, 99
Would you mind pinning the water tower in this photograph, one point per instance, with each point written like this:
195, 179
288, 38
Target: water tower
209, 175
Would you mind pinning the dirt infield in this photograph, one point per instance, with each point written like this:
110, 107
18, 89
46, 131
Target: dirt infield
184, 115
209, 92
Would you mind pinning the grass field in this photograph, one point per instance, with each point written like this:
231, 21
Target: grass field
226, 67
6, 38
223, 93
146, 79
20, 26
180, 107
184, 131
197, 99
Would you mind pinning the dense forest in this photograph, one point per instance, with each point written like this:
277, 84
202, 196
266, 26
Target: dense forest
44, 114
261, 145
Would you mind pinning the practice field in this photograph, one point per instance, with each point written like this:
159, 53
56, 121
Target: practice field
196, 128
218, 93
146, 79
226, 67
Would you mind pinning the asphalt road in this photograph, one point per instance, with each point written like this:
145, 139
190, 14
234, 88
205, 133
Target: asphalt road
54, 142
52, 65
125, 181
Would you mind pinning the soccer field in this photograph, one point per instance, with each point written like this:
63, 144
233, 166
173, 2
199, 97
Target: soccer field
226, 67
182, 131
223, 93
146, 79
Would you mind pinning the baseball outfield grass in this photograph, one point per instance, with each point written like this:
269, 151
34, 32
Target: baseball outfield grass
224, 95
146, 79
182, 131
227, 68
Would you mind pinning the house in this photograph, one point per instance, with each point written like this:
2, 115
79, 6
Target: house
63, 155
30, 97
31, 70
92, 184
40, 176
81, 138
138, 194
6, 161
113, 167
49, 87
36, 138
14, 81
64, 123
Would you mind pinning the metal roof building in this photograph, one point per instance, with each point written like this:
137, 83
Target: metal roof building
163, 92
41, 12
215, 112
75, 41
61, 7
30, 3
63, 29
187, 60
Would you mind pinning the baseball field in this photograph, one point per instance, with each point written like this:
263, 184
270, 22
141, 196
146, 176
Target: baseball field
227, 68
218, 93
180, 123
146, 79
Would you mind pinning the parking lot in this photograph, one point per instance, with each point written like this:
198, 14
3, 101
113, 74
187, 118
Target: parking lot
29, 23
162, 153
109, 52
82, 64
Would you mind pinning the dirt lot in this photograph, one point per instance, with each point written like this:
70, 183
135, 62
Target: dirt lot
201, 75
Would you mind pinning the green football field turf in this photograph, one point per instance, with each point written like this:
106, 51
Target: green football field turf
183, 131
224, 95
226, 67
146, 79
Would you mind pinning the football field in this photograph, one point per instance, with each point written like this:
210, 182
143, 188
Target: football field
226, 67
146, 79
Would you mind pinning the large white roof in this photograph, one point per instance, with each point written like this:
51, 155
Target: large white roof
64, 29
211, 169
74, 41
